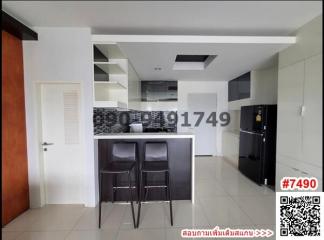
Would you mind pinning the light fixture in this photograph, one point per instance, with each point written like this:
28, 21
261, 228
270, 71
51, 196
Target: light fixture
192, 62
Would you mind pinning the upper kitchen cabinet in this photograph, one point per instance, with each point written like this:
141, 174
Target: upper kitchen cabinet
159, 95
159, 91
240, 87
251, 88
114, 78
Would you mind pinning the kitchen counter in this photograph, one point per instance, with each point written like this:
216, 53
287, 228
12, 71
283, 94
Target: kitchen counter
181, 163
154, 135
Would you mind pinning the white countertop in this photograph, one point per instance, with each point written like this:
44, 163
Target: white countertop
145, 135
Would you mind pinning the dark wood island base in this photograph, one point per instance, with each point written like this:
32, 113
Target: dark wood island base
181, 163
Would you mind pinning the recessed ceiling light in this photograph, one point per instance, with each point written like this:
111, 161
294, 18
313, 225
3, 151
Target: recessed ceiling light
191, 58
192, 62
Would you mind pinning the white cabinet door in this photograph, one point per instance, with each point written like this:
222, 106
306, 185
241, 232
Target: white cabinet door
282, 171
300, 170
290, 100
312, 120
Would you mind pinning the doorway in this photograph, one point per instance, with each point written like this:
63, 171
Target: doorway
61, 143
205, 133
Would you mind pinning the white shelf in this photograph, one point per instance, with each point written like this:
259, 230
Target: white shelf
110, 104
110, 84
110, 67
111, 51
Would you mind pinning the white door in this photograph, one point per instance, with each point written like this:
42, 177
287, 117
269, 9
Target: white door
61, 141
205, 133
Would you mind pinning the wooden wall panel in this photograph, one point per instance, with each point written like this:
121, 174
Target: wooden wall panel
15, 192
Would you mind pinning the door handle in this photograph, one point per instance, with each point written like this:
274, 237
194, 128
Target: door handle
252, 133
47, 144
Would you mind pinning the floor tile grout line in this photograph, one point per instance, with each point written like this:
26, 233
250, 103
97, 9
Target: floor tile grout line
33, 221
204, 212
76, 222
244, 210
238, 205
118, 230
18, 236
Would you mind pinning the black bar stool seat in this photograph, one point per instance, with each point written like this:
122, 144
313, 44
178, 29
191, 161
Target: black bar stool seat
123, 161
155, 161
119, 167
156, 166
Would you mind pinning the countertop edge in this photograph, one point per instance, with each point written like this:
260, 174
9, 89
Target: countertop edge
144, 136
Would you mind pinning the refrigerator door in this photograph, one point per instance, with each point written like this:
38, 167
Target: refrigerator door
250, 156
253, 118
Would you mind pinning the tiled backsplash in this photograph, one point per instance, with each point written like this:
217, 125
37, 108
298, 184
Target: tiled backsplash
108, 120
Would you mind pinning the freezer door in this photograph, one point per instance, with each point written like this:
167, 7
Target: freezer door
250, 156
253, 118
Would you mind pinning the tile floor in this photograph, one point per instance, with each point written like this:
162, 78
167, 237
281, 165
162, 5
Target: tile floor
224, 197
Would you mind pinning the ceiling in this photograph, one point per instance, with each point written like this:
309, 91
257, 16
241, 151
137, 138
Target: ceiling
169, 17
246, 18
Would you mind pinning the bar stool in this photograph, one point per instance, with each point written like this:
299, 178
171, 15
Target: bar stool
123, 162
155, 161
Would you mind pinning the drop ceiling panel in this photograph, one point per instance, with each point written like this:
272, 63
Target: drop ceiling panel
231, 61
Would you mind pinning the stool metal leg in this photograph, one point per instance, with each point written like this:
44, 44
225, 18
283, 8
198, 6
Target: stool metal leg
114, 185
131, 198
145, 189
100, 196
170, 197
166, 185
137, 183
139, 197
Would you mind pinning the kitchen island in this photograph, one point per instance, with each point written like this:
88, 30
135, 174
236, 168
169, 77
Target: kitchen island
181, 163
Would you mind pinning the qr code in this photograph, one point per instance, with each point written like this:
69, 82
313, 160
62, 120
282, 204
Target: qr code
298, 215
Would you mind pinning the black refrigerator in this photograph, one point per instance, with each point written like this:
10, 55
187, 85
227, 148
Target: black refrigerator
257, 151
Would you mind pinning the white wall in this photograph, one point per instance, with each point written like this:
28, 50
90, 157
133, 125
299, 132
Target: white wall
134, 89
299, 137
60, 55
218, 87
230, 143
265, 85
159, 106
